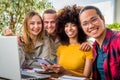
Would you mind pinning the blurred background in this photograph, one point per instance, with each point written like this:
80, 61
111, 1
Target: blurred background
12, 12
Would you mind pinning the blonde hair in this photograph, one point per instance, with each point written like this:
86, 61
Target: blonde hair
28, 42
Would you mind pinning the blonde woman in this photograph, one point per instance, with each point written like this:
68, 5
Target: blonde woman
34, 43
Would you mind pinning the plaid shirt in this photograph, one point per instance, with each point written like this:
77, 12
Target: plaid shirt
111, 65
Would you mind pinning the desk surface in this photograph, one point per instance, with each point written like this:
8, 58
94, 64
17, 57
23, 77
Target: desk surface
54, 76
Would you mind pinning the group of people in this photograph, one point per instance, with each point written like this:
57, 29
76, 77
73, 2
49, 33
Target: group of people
61, 38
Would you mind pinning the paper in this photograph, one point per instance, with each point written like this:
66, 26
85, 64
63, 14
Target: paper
65, 77
38, 69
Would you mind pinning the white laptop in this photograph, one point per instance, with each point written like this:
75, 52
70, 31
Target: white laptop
10, 63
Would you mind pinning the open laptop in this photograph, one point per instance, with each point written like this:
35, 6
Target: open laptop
10, 63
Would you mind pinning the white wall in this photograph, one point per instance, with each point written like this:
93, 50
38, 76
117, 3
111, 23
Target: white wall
109, 8
106, 6
117, 11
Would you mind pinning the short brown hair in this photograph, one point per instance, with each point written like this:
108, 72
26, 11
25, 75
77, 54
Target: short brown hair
49, 11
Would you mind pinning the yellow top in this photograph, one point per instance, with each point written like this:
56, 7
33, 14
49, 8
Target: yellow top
73, 59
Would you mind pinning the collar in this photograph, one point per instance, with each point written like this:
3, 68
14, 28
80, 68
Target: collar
56, 40
39, 43
106, 41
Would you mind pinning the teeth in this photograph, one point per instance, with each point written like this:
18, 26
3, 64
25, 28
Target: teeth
93, 31
69, 33
36, 30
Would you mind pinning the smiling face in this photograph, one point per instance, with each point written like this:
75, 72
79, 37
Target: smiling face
92, 24
35, 25
50, 23
71, 30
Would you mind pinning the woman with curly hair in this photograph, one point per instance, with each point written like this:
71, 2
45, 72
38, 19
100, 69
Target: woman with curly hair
71, 60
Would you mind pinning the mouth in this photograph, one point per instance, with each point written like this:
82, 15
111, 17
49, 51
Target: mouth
70, 33
36, 31
94, 31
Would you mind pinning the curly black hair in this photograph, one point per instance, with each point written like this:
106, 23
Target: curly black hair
65, 15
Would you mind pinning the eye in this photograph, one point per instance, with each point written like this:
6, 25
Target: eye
32, 23
66, 25
46, 22
39, 22
85, 24
53, 22
93, 19
74, 25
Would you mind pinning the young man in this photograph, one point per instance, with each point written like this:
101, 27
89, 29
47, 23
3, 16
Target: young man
106, 48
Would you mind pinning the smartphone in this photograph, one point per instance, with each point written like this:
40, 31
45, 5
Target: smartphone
43, 61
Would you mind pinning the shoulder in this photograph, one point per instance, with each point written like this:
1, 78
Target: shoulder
89, 54
116, 36
113, 33
115, 40
62, 47
21, 45
46, 39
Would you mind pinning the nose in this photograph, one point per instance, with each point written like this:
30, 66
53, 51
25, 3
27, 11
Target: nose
91, 25
49, 25
69, 26
36, 25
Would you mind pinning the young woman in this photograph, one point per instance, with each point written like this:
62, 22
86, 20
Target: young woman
34, 42
71, 60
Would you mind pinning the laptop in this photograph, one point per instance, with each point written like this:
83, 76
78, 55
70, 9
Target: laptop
10, 63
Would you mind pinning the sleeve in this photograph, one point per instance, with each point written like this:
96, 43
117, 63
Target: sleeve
89, 54
45, 49
25, 60
21, 55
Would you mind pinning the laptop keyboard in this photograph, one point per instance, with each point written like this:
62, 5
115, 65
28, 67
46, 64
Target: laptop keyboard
26, 76
33, 76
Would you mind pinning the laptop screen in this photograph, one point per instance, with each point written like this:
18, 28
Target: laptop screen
9, 58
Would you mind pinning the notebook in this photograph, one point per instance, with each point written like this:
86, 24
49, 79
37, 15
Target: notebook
66, 77
10, 63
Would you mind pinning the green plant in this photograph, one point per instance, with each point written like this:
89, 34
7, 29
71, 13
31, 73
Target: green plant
12, 12
115, 26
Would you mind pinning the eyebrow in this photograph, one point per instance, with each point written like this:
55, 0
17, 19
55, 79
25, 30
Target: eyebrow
93, 17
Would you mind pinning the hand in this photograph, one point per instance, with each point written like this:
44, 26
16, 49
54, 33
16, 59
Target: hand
85, 46
8, 32
46, 67
57, 68
20, 39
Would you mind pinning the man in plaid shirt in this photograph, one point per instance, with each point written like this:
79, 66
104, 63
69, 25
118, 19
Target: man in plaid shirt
106, 48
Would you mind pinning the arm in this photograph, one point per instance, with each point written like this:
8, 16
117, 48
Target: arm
8, 32
26, 60
88, 68
59, 69
21, 56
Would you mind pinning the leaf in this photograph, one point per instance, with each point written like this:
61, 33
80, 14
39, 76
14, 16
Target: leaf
18, 8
